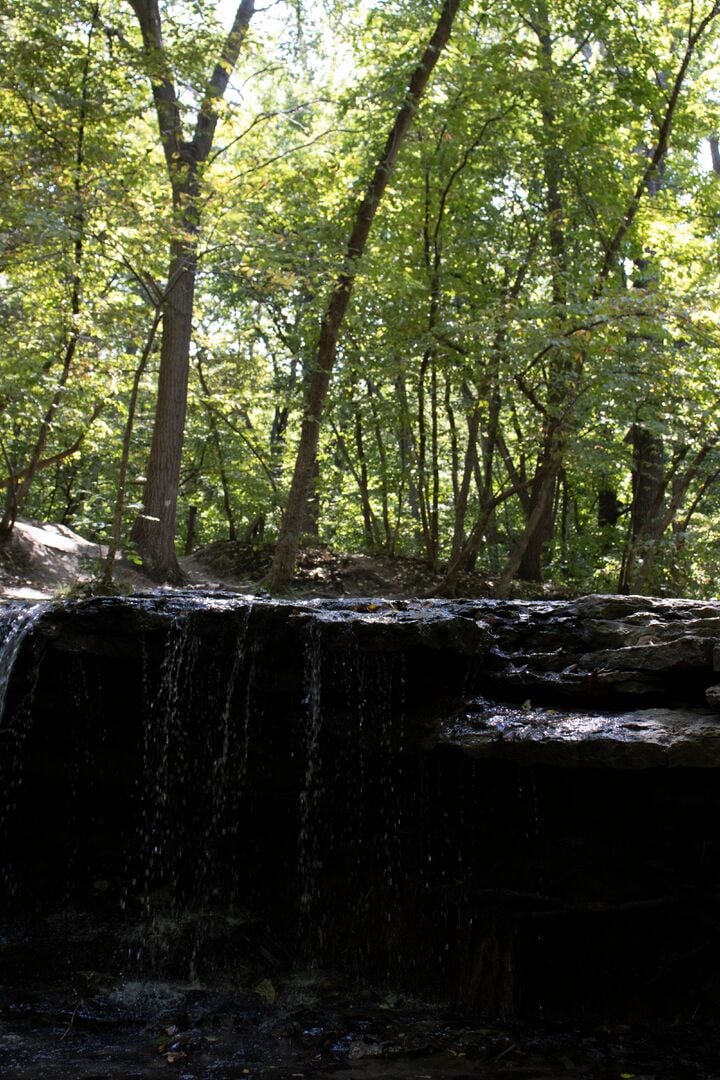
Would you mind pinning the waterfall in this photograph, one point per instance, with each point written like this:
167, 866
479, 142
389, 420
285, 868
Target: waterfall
219, 788
309, 859
164, 763
17, 621
188, 876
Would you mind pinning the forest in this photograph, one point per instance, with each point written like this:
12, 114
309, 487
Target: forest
432, 279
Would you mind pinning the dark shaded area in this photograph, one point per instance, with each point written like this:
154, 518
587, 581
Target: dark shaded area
205, 790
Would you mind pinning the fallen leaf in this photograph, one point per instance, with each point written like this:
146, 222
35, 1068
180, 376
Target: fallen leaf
266, 991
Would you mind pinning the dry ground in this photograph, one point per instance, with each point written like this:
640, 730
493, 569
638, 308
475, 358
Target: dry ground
41, 561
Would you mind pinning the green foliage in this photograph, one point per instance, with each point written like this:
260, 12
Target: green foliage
486, 297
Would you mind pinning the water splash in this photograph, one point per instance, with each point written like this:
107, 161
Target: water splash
17, 622
163, 756
309, 862
196, 745
228, 748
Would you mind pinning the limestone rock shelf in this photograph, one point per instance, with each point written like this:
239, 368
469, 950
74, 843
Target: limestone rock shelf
510, 805
509, 679
570, 738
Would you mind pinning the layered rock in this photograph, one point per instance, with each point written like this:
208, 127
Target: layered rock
471, 798
561, 673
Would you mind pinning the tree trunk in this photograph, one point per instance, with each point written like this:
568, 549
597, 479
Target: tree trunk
370, 528
648, 479
542, 492
464, 551
406, 448
543, 499
219, 454
283, 565
191, 530
388, 537
656, 510
153, 532
561, 396
648, 489
532, 561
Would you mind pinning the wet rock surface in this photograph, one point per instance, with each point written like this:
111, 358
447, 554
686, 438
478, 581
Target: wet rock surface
566, 737
140, 1030
604, 657
505, 808
607, 648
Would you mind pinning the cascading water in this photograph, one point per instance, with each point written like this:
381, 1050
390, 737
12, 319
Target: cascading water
164, 761
17, 622
207, 792
192, 790
309, 861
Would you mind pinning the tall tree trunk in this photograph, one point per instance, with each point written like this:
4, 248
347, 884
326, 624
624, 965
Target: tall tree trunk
648, 479
283, 565
388, 537
661, 492
462, 494
464, 550
154, 529
542, 492
429, 491
219, 453
372, 533
153, 532
406, 448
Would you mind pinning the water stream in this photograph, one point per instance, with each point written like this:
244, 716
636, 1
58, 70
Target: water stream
253, 838
17, 621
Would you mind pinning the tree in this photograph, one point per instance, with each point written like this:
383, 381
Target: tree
288, 542
63, 105
485, 356
564, 382
154, 529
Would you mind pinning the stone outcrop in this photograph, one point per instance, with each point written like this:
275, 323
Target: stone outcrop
610, 649
637, 739
566, 676
512, 805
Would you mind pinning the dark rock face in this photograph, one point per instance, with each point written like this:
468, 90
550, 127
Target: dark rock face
567, 738
608, 649
511, 805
